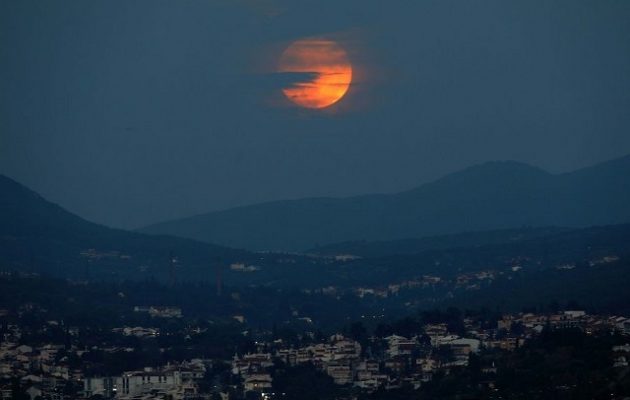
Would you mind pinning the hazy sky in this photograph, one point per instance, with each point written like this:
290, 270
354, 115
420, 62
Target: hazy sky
133, 112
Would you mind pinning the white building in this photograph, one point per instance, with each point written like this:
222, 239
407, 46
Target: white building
133, 383
257, 382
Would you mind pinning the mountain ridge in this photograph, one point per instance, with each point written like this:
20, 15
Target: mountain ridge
492, 195
39, 236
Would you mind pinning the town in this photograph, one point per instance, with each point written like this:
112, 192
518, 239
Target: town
46, 359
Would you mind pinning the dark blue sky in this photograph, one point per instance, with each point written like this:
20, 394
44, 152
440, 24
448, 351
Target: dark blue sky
132, 112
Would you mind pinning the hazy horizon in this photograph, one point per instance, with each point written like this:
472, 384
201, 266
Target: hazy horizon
342, 196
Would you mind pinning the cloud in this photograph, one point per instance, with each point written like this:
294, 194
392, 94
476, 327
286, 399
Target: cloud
292, 79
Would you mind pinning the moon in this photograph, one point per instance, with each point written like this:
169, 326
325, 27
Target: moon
330, 66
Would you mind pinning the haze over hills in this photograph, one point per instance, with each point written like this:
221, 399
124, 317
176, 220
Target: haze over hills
39, 236
494, 195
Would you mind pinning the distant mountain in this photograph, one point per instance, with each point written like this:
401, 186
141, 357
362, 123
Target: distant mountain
39, 236
495, 195
590, 264
442, 242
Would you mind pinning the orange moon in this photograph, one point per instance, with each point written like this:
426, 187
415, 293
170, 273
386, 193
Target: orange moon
330, 66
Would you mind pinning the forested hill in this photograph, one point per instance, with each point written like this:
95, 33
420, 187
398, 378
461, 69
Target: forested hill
39, 236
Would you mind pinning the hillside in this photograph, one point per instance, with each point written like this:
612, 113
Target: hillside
441, 242
495, 195
39, 236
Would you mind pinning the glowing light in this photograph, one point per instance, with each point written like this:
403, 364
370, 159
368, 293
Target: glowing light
330, 68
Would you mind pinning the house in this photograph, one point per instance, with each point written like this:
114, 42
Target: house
399, 345
31, 379
251, 363
104, 386
371, 366
165, 312
370, 381
437, 341
575, 313
24, 349
346, 348
133, 383
426, 364
470, 345
340, 371
505, 323
257, 382
396, 364
620, 362
6, 392
34, 392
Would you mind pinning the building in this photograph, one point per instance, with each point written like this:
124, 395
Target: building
257, 382
133, 383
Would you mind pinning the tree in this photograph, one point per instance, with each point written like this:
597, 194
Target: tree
358, 332
305, 382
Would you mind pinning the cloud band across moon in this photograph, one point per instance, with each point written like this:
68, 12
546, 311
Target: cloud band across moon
327, 68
